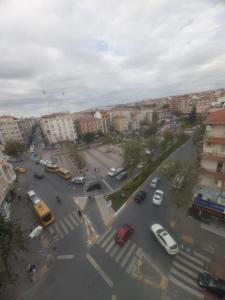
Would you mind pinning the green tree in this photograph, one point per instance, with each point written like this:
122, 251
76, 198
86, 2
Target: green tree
77, 155
152, 142
12, 241
13, 148
168, 136
89, 137
155, 117
192, 115
132, 154
107, 138
78, 130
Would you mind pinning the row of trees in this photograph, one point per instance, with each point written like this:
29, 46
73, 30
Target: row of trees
77, 155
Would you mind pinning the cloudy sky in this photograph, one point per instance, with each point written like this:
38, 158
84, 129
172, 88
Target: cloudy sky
58, 55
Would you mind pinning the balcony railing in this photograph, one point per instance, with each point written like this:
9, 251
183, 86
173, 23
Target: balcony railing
214, 174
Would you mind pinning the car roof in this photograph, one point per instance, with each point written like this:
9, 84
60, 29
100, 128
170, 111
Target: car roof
168, 238
159, 192
156, 227
31, 193
123, 230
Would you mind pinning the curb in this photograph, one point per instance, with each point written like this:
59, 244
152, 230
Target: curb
131, 196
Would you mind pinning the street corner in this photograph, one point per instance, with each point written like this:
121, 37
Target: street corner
145, 271
92, 235
80, 202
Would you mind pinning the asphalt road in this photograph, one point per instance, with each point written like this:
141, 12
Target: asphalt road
139, 270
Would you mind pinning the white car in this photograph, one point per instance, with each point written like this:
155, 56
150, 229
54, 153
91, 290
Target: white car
157, 197
45, 162
154, 182
165, 239
79, 180
112, 172
33, 197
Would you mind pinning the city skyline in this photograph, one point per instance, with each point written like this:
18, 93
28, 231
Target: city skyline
58, 56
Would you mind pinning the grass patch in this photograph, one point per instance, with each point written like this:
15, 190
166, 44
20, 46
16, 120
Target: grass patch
119, 197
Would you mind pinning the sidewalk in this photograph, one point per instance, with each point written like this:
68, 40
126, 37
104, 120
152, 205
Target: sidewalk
105, 210
40, 252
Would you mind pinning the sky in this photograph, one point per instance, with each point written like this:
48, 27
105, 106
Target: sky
66, 55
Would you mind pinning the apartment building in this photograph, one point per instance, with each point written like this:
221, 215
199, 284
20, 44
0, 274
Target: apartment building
209, 197
104, 116
26, 126
9, 130
90, 124
120, 124
7, 180
58, 127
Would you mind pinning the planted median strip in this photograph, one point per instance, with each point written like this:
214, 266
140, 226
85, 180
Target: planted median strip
119, 197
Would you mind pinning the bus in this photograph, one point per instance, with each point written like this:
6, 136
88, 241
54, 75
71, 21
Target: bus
52, 168
44, 213
64, 173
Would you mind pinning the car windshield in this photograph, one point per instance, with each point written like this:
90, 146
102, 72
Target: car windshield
47, 217
174, 247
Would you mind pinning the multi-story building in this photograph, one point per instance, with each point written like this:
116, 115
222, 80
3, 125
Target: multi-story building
9, 130
90, 124
209, 197
7, 179
26, 128
120, 123
104, 116
58, 127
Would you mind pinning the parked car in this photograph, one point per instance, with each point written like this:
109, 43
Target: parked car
114, 172
78, 180
178, 181
39, 175
165, 239
140, 196
33, 197
154, 183
20, 170
92, 186
123, 234
157, 197
212, 284
45, 162
122, 175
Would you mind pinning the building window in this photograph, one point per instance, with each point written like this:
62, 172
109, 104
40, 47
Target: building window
219, 167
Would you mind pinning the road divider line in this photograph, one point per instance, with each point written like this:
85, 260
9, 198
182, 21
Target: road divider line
108, 186
100, 271
66, 256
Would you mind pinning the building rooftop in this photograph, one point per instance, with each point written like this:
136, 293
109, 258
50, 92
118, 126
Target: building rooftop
217, 117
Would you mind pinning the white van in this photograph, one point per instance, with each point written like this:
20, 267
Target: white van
33, 197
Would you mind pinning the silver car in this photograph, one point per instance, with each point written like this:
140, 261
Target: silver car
154, 183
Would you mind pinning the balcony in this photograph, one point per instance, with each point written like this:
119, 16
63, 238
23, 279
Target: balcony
214, 155
214, 174
215, 140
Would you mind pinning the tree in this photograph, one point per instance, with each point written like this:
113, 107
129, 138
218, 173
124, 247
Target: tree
89, 137
77, 156
192, 115
152, 142
107, 138
155, 117
78, 130
168, 136
132, 154
12, 240
13, 148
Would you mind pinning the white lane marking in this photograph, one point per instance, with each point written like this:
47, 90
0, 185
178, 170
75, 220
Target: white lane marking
203, 257
189, 264
100, 271
114, 250
108, 186
69, 224
108, 238
127, 256
64, 227
185, 287
186, 270
73, 220
66, 256
131, 264
122, 251
110, 246
194, 259
185, 278
58, 230
51, 230
212, 229
113, 297
104, 235
76, 216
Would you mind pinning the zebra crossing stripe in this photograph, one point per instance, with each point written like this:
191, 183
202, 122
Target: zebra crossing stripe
203, 257
120, 254
59, 230
76, 216
189, 264
104, 235
131, 264
51, 230
64, 227
124, 261
69, 224
194, 259
108, 238
73, 220
185, 278
115, 250
110, 246
185, 287
186, 270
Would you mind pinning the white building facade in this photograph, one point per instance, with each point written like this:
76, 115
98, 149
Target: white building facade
9, 130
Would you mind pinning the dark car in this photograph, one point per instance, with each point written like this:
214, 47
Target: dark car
212, 284
140, 196
123, 234
92, 186
39, 175
122, 175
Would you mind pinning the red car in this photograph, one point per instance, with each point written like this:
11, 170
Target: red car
123, 234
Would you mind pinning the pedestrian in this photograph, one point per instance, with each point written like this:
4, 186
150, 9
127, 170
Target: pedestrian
79, 213
19, 197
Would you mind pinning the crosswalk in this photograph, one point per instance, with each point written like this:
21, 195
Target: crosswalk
60, 228
125, 256
185, 269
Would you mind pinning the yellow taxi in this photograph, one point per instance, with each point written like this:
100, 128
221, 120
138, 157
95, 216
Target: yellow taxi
20, 170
